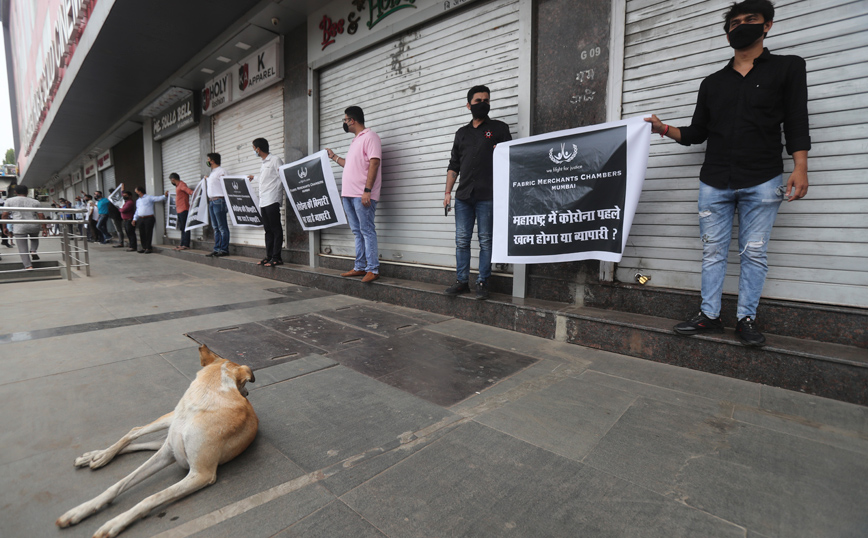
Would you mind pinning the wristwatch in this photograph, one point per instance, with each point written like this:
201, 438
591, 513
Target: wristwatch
367, 189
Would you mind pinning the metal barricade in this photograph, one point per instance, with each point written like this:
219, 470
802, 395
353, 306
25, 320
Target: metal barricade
74, 256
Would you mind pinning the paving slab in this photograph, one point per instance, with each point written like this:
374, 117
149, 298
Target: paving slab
834, 413
771, 482
320, 332
336, 519
254, 345
290, 370
325, 417
479, 482
376, 320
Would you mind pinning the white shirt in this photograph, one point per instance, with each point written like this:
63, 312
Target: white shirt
270, 187
145, 205
214, 183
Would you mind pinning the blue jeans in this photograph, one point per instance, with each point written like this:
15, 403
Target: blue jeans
217, 212
102, 228
468, 212
361, 221
757, 208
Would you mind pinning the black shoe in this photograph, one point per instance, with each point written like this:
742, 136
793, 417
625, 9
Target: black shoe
34, 257
750, 336
458, 288
212, 255
481, 291
699, 324
141, 252
148, 251
117, 246
222, 254
273, 263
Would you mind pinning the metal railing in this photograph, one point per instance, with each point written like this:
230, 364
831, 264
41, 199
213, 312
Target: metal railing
74, 256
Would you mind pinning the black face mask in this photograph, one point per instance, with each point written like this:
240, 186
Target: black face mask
346, 128
745, 35
208, 164
480, 110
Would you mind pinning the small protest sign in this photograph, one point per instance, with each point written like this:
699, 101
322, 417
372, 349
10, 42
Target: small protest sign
198, 212
310, 186
172, 213
569, 195
242, 202
117, 196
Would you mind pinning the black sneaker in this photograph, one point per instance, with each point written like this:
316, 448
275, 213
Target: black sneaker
750, 336
699, 324
34, 256
214, 254
458, 288
481, 291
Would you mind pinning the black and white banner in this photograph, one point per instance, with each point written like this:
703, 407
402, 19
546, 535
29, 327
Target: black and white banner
198, 213
310, 185
172, 213
117, 196
569, 195
242, 202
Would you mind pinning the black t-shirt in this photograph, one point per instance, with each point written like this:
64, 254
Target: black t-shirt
741, 118
472, 154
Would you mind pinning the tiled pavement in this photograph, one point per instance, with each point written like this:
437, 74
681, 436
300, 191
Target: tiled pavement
377, 420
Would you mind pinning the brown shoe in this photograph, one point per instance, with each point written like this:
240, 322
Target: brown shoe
353, 273
370, 277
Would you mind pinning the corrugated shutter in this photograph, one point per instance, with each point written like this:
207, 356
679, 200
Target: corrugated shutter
91, 184
109, 182
234, 129
181, 156
819, 246
413, 90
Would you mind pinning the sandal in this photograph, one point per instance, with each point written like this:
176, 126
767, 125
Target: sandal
263, 261
274, 263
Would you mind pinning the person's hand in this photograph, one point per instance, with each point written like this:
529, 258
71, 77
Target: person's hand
447, 199
134, 223
44, 233
331, 153
797, 185
366, 199
167, 194
657, 126
250, 177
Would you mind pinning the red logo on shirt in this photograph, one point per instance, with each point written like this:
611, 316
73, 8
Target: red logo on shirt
487, 134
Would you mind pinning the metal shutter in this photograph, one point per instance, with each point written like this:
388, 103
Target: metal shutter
413, 91
819, 246
91, 185
259, 116
109, 182
180, 154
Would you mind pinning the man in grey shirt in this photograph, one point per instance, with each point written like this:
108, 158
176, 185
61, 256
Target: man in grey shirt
25, 234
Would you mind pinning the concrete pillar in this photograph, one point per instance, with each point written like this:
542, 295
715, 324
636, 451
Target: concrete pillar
154, 177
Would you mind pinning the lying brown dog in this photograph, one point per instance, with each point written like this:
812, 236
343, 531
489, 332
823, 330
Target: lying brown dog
211, 424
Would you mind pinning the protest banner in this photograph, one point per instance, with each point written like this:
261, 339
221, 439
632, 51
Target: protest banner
569, 195
117, 196
310, 186
172, 213
242, 202
198, 212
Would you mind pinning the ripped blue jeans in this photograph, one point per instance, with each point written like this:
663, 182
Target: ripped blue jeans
757, 209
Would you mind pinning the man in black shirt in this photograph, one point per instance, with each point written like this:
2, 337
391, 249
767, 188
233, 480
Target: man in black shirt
739, 111
472, 154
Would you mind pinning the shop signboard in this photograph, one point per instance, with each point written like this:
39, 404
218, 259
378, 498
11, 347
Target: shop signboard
249, 76
176, 118
217, 93
76, 177
90, 168
104, 160
242, 202
313, 194
569, 195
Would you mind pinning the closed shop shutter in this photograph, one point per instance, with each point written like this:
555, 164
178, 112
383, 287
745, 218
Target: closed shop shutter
91, 184
234, 129
109, 183
819, 246
181, 156
413, 90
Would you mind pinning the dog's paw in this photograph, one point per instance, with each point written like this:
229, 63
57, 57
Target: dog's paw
111, 529
94, 459
86, 458
70, 518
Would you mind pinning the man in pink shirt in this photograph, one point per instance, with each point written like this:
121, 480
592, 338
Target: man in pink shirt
182, 207
360, 191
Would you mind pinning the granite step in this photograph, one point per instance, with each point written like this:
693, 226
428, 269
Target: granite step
11, 270
821, 368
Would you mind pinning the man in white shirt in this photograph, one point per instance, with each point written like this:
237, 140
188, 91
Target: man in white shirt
217, 206
270, 198
144, 219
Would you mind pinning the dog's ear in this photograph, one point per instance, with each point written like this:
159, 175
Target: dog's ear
244, 375
206, 356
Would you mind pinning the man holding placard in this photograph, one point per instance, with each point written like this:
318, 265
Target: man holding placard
270, 198
360, 190
182, 208
217, 206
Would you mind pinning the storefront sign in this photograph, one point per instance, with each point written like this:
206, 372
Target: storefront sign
90, 168
569, 195
310, 185
76, 177
176, 118
217, 93
172, 213
345, 22
242, 202
104, 160
67, 182
253, 74
198, 212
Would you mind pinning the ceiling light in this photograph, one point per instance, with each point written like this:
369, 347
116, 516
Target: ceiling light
207, 71
242, 46
223, 59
